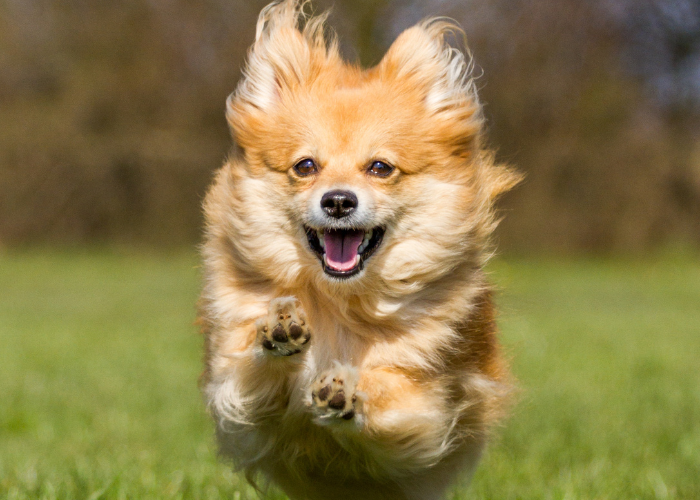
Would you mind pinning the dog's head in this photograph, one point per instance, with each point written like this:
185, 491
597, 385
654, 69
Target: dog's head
368, 174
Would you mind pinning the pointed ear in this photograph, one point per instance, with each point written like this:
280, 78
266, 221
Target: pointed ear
422, 57
280, 59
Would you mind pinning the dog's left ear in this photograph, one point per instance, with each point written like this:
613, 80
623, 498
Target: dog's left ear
422, 59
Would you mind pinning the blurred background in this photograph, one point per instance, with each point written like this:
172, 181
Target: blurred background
112, 113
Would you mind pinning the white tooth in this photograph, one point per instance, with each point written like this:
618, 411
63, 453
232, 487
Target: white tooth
365, 241
320, 239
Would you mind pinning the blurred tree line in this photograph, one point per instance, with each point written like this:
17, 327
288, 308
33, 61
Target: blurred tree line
111, 113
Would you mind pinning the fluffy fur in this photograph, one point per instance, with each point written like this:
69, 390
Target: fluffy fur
393, 378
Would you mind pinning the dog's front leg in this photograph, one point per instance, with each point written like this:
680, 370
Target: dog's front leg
249, 381
382, 412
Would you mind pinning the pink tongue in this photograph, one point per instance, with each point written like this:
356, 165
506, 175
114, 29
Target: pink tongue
341, 248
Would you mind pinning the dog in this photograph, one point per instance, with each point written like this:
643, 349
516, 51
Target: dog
351, 349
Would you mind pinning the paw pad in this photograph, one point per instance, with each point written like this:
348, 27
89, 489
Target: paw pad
333, 395
283, 332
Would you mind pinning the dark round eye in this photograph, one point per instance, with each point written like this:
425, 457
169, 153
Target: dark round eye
380, 169
305, 167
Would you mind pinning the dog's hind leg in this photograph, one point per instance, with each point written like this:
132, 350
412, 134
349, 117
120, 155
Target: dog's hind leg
402, 426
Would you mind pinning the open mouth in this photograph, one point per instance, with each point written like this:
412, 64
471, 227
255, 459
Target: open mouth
343, 251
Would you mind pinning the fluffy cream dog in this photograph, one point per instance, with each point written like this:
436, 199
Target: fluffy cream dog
351, 350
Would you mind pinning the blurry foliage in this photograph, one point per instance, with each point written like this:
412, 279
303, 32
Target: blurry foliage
111, 113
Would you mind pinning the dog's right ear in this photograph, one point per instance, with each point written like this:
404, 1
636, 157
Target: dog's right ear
280, 60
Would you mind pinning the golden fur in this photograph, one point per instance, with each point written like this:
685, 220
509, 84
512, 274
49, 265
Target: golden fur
402, 378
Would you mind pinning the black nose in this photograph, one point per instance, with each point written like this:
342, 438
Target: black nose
339, 204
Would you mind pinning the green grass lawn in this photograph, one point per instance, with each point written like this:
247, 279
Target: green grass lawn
99, 362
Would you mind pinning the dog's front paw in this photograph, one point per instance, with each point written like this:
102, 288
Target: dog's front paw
334, 397
284, 332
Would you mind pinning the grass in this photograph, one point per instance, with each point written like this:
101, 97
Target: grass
99, 362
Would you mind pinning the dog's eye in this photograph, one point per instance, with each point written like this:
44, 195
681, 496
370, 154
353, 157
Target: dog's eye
305, 167
380, 169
